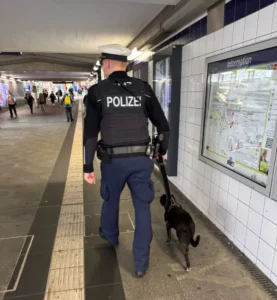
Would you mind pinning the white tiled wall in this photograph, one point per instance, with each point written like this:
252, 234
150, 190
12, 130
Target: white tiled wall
248, 218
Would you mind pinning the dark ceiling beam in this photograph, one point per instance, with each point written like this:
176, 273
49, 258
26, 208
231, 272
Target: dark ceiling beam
31, 60
170, 21
65, 59
69, 60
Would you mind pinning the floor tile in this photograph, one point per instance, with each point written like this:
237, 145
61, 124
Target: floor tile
65, 279
36, 268
107, 292
66, 295
10, 250
44, 237
69, 243
93, 208
94, 241
28, 297
101, 266
14, 229
46, 216
67, 259
93, 222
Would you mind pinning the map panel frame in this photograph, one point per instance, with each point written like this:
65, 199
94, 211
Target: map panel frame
260, 173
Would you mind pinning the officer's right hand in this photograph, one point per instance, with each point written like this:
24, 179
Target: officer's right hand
90, 178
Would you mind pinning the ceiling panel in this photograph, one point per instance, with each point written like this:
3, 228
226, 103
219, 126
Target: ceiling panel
163, 2
48, 76
70, 26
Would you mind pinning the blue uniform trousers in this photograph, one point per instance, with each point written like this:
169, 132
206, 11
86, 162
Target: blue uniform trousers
136, 172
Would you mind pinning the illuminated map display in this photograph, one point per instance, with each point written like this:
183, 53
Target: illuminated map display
241, 114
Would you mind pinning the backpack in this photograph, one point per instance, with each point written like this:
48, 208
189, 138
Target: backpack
67, 100
11, 100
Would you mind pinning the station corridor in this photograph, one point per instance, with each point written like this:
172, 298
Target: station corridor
49, 218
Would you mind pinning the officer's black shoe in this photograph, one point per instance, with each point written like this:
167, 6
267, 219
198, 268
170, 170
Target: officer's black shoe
102, 235
140, 274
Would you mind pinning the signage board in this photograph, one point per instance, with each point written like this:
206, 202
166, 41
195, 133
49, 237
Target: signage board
239, 121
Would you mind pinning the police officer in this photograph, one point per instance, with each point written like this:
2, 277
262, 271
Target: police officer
119, 107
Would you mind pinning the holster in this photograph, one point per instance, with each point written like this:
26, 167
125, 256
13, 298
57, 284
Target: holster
103, 154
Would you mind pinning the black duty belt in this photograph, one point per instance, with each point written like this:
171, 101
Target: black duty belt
127, 150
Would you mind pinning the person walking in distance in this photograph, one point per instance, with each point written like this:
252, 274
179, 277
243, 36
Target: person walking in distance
30, 101
67, 102
52, 98
71, 93
12, 105
59, 94
45, 95
119, 107
41, 101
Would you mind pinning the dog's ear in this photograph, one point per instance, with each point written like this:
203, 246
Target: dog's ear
163, 200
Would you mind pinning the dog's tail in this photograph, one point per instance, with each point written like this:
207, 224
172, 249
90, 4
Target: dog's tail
195, 243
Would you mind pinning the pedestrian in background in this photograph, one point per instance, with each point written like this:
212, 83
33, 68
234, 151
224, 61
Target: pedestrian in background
71, 92
30, 101
59, 95
67, 102
45, 95
12, 105
52, 98
41, 101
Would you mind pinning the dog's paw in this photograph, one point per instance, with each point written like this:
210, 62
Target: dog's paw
168, 242
188, 269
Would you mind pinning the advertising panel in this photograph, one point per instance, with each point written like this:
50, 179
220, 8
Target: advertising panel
4, 91
163, 84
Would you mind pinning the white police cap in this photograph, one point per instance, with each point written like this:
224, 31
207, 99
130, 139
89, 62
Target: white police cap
115, 52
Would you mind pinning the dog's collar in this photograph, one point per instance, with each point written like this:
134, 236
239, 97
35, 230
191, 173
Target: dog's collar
173, 205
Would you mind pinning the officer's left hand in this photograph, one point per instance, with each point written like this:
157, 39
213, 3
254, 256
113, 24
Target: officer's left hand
162, 156
90, 178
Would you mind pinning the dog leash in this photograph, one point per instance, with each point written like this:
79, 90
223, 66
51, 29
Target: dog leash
169, 196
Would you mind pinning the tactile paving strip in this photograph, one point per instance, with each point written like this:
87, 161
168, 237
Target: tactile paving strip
66, 276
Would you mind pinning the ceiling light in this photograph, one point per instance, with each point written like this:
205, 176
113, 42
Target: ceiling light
4, 77
95, 68
19, 80
98, 63
135, 53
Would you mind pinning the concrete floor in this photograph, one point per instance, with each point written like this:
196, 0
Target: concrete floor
29, 147
216, 273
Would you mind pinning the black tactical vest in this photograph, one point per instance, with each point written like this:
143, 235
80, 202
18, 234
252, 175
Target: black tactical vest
124, 119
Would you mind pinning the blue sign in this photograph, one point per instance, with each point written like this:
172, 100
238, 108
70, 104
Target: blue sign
244, 61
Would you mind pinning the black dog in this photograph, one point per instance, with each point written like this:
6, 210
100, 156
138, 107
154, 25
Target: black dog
179, 219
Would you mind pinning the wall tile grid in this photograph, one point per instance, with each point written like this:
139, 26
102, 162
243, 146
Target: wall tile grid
238, 9
248, 218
